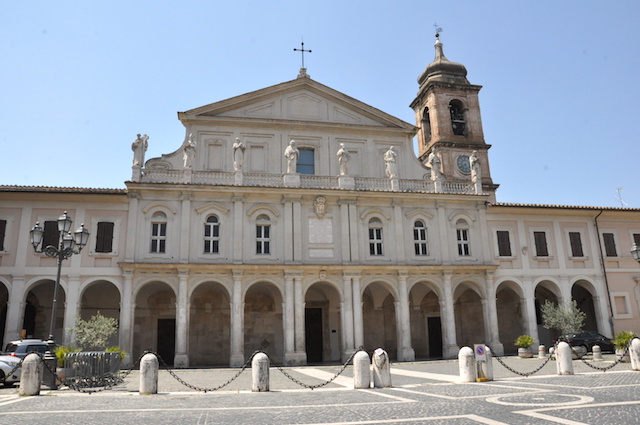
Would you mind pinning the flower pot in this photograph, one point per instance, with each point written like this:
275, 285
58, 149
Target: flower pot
525, 353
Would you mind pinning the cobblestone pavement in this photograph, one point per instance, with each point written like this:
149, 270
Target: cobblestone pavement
422, 392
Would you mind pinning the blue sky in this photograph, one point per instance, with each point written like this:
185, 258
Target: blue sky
79, 80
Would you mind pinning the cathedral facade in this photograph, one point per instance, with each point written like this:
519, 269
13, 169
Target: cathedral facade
299, 221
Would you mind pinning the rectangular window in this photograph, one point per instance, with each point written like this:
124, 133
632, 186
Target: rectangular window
504, 243
576, 244
263, 239
3, 230
636, 239
306, 162
375, 241
212, 236
609, 245
51, 235
462, 236
420, 240
104, 237
540, 239
158, 237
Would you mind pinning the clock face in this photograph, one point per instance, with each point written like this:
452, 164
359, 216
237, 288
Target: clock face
463, 164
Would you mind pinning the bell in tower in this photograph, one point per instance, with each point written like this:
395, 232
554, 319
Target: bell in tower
449, 123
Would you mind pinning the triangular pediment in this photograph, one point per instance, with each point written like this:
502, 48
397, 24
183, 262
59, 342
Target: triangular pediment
298, 100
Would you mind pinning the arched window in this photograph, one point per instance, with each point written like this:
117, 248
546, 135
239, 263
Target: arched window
458, 122
420, 238
159, 232
375, 237
426, 123
306, 161
263, 235
212, 235
462, 236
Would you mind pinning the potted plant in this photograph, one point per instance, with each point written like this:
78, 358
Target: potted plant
621, 342
60, 352
524, 343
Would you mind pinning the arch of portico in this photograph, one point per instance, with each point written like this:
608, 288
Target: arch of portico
154, 319
324, 340
380, 322
4, 302
37, 302
263, 320
584, 293
546, 289
98, 295
209, 324
425, 319
511, 312
469, 310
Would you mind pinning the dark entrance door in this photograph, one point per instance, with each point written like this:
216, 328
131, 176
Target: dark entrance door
313, 334
167, 339
435, 337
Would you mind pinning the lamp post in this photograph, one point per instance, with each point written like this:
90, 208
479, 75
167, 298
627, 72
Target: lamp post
68, 244
635, 252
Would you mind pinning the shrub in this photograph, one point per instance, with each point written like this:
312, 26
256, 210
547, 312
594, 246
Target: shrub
60, 352
623, 339
524, 341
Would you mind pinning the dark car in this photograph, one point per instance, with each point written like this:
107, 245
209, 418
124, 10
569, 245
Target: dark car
587, 339
22, 347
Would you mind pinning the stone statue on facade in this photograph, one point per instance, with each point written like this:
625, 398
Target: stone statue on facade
343, 160
434, 163
139, 147
189, 152
238, 155
391, 167
474, 164
292, 153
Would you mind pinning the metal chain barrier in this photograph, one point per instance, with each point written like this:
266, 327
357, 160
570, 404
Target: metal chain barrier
201, 389
12, 371
605, 368
322, 384
525, 374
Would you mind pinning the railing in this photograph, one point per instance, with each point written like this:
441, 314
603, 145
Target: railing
92, 363
306, 181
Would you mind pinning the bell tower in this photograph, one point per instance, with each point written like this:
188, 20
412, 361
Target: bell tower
449, 123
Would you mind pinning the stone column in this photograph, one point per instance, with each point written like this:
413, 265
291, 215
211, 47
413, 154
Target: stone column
289, 322
125, 337
181, 358
399, 239
71, 309
288, 229
529, 309
132, 227
358, 326
347, 318
492, 315
238, 226
15, 310
450, 349
237, 318
444, 236
345, 240
185, 227
405, 351
565, 291
301, 350
354, 221
297, 231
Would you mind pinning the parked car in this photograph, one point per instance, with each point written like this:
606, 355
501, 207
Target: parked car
20, 348
9, 376
587, 339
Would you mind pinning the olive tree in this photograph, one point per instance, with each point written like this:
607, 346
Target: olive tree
94, 334
567, 318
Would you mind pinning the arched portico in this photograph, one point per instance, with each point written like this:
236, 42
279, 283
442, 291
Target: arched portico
100, 296
155, 320
511, 317
426, 321
379, 318
469, 315
584, 294
546, 290
323, 327
37, 310
263, 324
209, 325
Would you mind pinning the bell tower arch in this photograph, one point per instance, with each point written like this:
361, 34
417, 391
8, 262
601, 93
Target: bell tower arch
448, 119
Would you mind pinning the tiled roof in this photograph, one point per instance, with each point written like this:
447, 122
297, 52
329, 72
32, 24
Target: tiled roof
48, 189
564, 207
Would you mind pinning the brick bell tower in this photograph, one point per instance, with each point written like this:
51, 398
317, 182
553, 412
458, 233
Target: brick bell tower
449, 123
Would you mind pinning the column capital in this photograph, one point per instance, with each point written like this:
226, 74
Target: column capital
347, 202
237, 198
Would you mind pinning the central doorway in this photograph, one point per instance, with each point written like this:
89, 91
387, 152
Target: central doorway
313, 334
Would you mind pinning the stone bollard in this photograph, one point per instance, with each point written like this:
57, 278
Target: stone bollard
542, 351
381, 369
634, 351
149, 366
31, 375
260, 373
564, 360
361, 371
597, 353
467, 365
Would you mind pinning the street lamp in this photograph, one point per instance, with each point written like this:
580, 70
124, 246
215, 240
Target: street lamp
68, 245
635, 252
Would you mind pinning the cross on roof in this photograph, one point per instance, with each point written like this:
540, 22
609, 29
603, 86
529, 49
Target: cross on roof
302, 50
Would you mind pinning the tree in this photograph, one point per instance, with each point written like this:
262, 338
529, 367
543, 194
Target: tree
566, 318
94, 334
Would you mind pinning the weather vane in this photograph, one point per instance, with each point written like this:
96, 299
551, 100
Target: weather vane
438, 29
302, 50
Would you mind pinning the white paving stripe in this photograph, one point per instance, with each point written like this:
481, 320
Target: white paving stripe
325, 376
535, 413
421, 420
425, 375
11, 399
